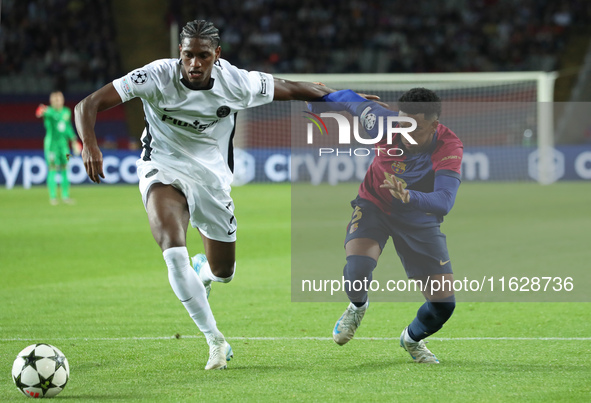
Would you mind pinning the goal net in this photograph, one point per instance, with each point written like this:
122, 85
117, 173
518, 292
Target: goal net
505, 121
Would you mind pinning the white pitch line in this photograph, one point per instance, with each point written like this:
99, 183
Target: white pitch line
302, 338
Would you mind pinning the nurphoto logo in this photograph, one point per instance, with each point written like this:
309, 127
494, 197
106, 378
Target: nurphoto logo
369, 121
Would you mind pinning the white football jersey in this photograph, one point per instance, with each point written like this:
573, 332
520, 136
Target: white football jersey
192, 130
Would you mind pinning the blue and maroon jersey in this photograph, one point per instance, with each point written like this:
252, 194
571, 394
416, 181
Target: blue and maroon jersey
415, 171
442, 160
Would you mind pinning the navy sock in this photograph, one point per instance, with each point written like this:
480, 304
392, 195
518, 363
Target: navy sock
356, 271
430, 318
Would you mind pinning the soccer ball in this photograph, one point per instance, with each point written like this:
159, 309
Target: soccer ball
40, 370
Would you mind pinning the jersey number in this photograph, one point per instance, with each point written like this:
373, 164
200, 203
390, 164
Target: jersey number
356, 217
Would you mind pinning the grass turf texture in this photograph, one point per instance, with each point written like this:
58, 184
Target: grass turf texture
90, 279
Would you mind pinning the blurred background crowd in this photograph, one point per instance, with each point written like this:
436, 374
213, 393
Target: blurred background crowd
63, 44
362, 36
77, 46
72, 44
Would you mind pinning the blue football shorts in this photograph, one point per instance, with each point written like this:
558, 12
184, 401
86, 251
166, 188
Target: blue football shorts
422, 251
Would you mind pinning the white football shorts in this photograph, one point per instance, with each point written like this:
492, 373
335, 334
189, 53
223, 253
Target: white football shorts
211, 210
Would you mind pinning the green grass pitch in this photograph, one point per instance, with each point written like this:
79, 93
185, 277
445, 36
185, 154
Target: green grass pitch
90, 280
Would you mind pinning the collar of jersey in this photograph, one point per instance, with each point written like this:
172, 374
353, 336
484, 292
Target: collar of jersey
188, 85
433, 144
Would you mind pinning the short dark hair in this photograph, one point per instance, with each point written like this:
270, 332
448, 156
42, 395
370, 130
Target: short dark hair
420, 100
203, 30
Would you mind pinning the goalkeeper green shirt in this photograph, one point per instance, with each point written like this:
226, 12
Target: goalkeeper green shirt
59, 133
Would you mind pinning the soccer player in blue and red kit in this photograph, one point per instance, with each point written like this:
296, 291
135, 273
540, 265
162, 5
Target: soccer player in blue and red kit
403, 197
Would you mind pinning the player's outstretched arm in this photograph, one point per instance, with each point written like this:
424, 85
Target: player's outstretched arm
350, 101
286, 90
85, 118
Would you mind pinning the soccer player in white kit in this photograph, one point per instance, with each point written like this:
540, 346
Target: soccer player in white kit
185, 168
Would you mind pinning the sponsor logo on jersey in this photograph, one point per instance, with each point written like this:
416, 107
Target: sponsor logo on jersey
196, 125
398, 167
223, 111
202, 126
450, 157
139, 77
151, 173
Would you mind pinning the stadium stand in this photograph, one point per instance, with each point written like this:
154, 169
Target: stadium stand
324, 36
72, 45
60, 44
68, 45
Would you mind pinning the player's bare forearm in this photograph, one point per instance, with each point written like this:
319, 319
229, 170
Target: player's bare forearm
286, 90
85, 117
86, 110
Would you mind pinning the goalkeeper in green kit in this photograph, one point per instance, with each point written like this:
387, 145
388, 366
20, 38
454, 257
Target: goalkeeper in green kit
56, 145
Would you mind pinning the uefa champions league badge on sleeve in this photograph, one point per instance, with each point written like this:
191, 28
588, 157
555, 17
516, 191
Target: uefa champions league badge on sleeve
139, 77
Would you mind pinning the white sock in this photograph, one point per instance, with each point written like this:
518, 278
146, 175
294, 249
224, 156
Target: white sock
358, 308
408, 339
189, 290
207, 276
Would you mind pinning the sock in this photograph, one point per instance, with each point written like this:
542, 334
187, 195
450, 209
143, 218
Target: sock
65, 185
207, 276
430, 318
360, 307
357, 269
51, 184
190, 290
409, 339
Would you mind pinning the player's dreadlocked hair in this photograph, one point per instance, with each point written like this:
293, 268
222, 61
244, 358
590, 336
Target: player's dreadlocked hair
203, 30
420, 100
